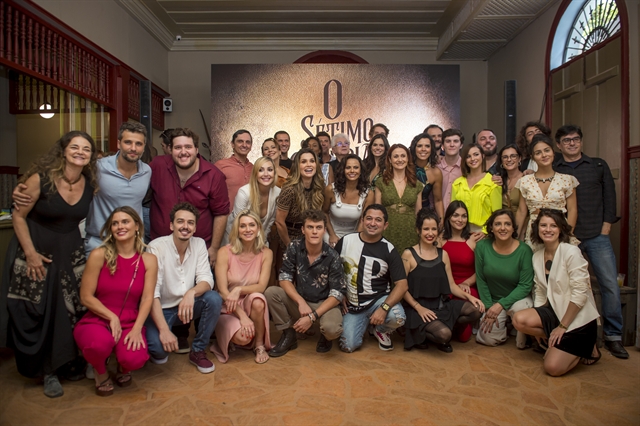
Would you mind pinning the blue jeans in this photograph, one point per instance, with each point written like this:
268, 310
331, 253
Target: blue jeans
206, 307
355, 325
603, 261
147, 224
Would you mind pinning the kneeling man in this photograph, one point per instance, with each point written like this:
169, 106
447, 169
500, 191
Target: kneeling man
183, 291
311, 288
372, 265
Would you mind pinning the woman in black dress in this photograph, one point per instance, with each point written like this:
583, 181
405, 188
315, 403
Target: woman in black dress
46, 260
431, 313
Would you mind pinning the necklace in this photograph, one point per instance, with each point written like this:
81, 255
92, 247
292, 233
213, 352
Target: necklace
543, 180
401, 180
64, 178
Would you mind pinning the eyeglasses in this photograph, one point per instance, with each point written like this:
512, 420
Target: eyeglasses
510, 157
567, 141
342, 144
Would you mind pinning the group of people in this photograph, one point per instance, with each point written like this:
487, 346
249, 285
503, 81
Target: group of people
426, 239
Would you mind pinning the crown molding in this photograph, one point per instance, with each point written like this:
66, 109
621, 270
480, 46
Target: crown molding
423, 44
141, 13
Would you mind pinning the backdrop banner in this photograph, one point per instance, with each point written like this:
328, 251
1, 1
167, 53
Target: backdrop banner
305, 99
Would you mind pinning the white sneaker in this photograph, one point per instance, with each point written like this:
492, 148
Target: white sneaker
384, 340
90, 372
159, 361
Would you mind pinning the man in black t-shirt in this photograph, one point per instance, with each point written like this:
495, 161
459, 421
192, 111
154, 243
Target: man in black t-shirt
372, 264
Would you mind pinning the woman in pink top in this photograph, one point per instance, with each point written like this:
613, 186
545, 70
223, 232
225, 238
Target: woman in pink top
242, 274
117, 289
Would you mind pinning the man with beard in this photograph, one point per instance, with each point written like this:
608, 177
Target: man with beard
186, 176
489, 144
184, 289
435, 132
237, 168
123, 180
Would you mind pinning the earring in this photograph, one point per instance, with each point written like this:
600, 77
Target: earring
519, 163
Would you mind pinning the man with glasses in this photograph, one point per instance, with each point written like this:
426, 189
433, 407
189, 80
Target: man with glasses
340, 146
596, 197
237, 168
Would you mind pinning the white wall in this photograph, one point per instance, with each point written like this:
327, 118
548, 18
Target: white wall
190, 76
109, 26
523, 60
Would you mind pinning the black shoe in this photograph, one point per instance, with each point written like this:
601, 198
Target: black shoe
424, 345
287, 342
324, 345
445, 347
616, 349
183, 345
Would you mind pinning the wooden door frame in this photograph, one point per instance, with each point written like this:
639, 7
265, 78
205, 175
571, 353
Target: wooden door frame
624, 117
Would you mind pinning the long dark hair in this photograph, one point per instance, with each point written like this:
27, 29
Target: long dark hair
501, 171
521, 139
432, 161
370, 159
340, 183
51, 166
558, 218
448, 232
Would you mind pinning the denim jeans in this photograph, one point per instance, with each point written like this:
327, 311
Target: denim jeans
206, 307
603, 262
354, 325
147, 224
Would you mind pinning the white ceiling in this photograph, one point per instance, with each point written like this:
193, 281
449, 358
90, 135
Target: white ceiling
454, 29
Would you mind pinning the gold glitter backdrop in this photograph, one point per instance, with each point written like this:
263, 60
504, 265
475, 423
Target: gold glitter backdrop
304, 99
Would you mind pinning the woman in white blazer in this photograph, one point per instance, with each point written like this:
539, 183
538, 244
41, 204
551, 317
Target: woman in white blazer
259, 196
565, 312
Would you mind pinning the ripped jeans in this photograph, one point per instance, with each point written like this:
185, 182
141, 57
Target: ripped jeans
354, 325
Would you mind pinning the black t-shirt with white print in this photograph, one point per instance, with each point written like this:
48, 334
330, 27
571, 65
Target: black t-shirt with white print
370, 268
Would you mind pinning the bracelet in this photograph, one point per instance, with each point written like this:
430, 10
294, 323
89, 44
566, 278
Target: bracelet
316, 315
416, 304
562, 326
311, 317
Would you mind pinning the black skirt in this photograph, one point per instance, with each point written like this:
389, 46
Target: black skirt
578, 342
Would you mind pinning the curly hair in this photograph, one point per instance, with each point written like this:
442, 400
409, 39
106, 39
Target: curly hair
52, 165
410, 171
451, 209
109, 243
521, 139
340, 182
317, 184
432, 160
370, 159
492, 218
425, 214
558, 218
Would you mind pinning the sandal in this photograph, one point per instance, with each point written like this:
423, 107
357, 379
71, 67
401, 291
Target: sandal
261, 353
592, 360
123, 379
105, 388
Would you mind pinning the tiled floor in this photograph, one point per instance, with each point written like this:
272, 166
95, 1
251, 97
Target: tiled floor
473, 385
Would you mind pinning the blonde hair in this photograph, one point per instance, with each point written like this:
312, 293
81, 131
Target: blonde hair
109, 243
317, 184
234, 240
254, 188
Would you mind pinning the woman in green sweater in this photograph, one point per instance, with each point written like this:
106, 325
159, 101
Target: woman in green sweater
504, 277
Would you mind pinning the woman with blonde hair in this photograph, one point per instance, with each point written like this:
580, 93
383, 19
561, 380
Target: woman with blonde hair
117, 288
271, 149
40, 301
259, 196
303, 191
242, 274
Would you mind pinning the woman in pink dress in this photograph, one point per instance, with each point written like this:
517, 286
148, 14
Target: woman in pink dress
242, 274
117, 289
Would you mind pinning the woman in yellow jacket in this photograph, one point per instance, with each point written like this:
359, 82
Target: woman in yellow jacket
565, 313
475, 188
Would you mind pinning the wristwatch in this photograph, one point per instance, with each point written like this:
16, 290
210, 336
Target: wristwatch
385, 307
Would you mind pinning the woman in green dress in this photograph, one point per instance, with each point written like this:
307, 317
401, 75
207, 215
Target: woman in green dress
400, 192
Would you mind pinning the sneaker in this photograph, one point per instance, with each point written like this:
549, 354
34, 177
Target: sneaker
200, 360
90, 372
159, 361
616, 349
52, 386
183, 346
384, 340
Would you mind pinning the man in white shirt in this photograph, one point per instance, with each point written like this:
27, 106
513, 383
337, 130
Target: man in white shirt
184, 290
